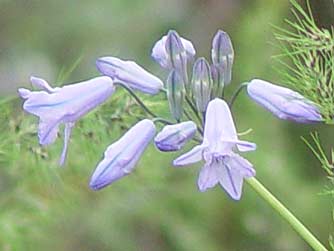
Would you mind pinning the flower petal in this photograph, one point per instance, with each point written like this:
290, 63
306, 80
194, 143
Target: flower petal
219, 125
231, 181
47, 130
67, 135
241, 164
42, 84
243, 146
235, 168
208, 177
193, 156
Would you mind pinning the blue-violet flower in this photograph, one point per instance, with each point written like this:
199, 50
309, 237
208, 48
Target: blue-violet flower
65, 105
222, 164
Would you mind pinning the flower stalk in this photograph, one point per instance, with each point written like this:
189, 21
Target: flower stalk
285, 213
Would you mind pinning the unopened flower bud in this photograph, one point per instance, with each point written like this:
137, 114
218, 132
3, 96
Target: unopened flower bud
121, 157
201, 83
222, 55
283, 102
175, 94
160, 55
177, 54
217, 82
130, 74
174, 137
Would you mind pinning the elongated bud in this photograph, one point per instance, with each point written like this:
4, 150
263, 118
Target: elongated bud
201, 83
175, 94
222, 55
283, 102
160, 55
174, 137
121, 157
217, 82
129, 73
177, 54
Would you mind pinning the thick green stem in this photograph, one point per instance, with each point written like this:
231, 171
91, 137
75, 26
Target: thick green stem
287, 215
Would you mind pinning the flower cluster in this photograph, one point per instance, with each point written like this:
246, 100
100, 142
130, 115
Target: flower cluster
197, 106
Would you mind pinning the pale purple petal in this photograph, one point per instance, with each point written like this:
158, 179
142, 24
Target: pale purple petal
121, 157
24, 93
231, 181
243, 146
67, 135
47, 130
283, 102
208, 176
174, 137
193, 156
40, 83
241, 164
130, 74
235, 168
219, 125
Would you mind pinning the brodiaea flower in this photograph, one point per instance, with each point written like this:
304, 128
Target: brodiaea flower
222, 164
121, 157
283, 102
65, 105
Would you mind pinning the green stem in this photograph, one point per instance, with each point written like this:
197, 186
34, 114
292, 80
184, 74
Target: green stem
237, 92
163, 121
145, 108
193, 108
286, 214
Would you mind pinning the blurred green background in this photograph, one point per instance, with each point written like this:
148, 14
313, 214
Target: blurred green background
44, 207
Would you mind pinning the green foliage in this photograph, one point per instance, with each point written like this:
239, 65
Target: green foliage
311, 51
326, 163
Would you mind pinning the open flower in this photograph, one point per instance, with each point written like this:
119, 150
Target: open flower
130, 74
174, 137
222, 164
283, 102
65, 105
121, 157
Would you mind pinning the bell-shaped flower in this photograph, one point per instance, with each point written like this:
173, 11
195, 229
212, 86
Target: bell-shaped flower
174, 137
222, 164
283, 102
130, 74
201, 83
222, 55
65, 105
175, 94
121, 157
164, 52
